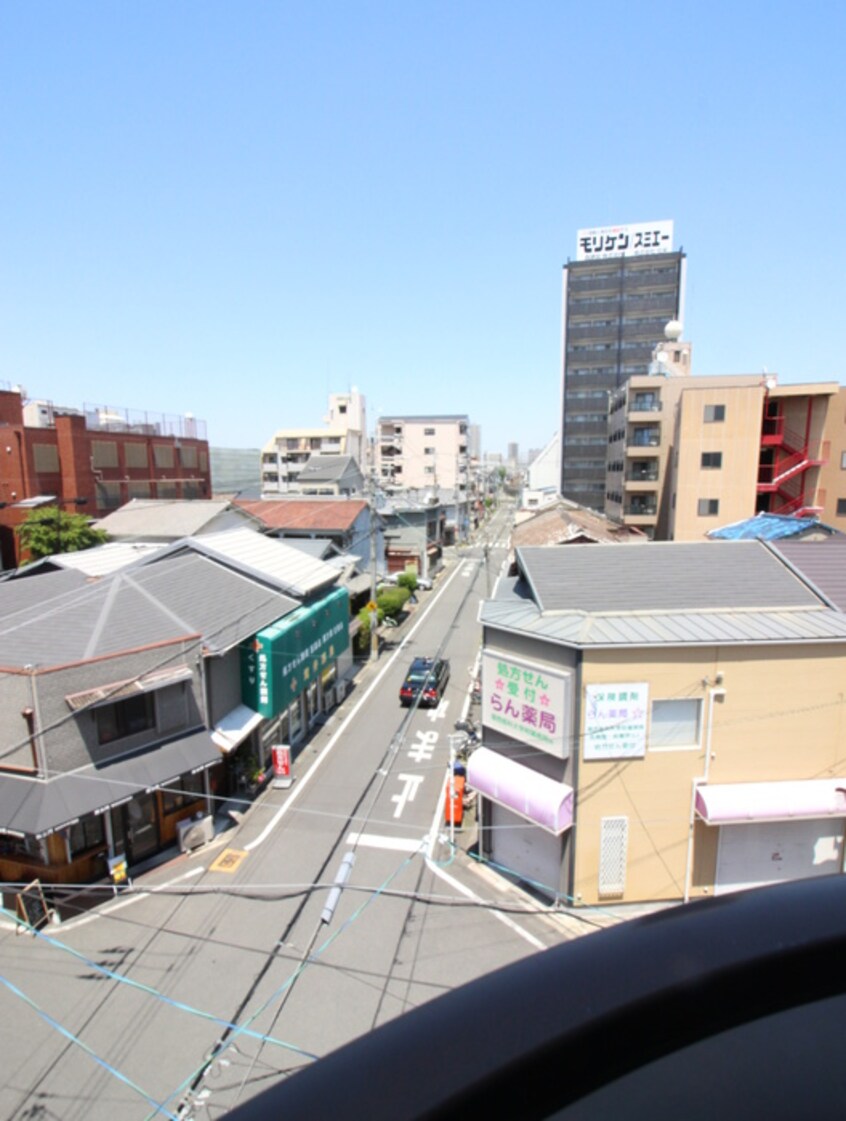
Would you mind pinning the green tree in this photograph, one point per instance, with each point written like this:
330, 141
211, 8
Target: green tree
49, 530
408, 580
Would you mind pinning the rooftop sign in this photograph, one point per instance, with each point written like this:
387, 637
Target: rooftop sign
624, 241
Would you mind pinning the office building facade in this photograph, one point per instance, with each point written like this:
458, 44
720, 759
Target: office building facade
626, 283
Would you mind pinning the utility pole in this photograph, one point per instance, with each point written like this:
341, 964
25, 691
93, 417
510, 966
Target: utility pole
372, 610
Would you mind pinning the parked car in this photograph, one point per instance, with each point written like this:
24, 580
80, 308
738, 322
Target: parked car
427, 678
425, 583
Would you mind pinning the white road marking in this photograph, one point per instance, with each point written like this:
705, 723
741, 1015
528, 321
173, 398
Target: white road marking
440, 712
409, 792
72, 924
422, 751
396, 844
434, 867
303, 782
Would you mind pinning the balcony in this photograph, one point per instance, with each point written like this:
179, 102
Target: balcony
641, 508
645, 403
645, 438
643, 472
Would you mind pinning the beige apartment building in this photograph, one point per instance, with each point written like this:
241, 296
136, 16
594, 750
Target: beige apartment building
285, 455
687, 454
661, 723
431, 452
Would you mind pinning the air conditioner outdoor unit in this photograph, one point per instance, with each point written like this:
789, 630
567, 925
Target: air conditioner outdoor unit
194, 832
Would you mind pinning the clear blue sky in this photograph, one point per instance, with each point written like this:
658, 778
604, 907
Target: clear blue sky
233, 209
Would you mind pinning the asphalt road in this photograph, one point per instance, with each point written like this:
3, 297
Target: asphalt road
228, 971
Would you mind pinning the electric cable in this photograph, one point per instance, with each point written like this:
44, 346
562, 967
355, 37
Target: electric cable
77, 1042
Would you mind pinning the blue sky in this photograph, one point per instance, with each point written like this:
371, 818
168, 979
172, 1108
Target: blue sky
235, 209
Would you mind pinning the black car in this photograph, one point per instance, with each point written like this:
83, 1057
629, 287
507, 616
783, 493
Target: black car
427, 678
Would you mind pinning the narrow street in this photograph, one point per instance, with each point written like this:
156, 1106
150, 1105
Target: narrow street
225, 969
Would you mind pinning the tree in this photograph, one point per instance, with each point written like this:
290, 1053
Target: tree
49, 530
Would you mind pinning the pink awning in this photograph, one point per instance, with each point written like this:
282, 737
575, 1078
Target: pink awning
771, 801
534, 796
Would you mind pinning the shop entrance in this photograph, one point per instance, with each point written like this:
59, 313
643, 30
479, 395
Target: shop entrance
140, 829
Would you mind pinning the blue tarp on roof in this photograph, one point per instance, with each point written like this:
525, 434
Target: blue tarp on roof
769, 527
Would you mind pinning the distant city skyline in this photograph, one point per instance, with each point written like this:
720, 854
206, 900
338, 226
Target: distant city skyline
300, 200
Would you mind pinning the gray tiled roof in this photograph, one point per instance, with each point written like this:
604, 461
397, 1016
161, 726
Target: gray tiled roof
661, 595
183, 596
821, 562
327, 468
661, 576
166, 519
38, 806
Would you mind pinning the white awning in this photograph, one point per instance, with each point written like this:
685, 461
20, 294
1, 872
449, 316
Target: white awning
235, 727
531, 795
739, 802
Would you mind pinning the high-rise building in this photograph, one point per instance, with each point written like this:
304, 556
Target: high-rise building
626, 283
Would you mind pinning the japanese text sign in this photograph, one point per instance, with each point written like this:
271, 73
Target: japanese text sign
624, 241
615, 721
528, 702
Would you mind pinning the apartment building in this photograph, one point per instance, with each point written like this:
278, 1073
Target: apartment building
642, 438
744, 450
285, 455
428, 452
688, 454
626, 283
96, 458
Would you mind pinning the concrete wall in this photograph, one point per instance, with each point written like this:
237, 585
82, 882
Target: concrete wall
783, 718
737, 438
68, 740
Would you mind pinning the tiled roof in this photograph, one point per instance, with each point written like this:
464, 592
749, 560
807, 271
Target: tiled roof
163, 518
821, 562
561, 523
305, 514
663, 594
177, 598
662, 576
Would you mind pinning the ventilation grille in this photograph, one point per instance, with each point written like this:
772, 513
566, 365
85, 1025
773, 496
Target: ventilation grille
613, 846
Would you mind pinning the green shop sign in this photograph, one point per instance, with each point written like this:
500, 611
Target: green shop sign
288, 656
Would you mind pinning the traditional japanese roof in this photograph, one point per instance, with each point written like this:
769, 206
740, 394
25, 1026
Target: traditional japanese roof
165, 519
565, 522
182, 597
305, 514
770, 527
665, 593
327, 469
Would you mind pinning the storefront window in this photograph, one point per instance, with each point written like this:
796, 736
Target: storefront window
295, 720
27, 848
184, 792
85, 834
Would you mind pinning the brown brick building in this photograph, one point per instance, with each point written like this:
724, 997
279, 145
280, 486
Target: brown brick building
103, 456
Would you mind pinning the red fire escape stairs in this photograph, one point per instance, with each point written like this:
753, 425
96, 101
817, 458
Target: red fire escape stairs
793, 457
